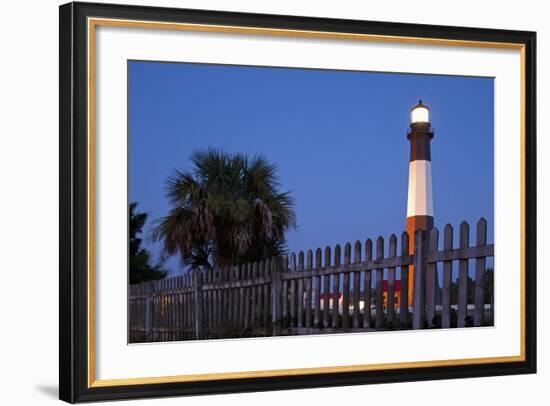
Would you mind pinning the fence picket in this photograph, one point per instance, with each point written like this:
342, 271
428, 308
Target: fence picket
234, 298
207, 302
391, 281
308, 283
447, 277
336, 290
260, 293
326, 290
481, 239
150, 311
277, 267
228, 296
345, 287
173, 310
379, 284
284, 291
191, 307
229, 293
404, 300
419, 310
239, 299
317, 290
293, 295
301, 290
254, 299
367, 290
463, 276
247, 305
431, 277
197, 282
356, 285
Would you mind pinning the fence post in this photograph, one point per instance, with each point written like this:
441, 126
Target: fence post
276, 294
149, 310
419, 279
197, 286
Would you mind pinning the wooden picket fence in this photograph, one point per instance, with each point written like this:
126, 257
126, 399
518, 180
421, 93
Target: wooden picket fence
319, 292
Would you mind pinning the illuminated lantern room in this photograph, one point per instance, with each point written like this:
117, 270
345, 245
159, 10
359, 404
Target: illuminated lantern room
420, 113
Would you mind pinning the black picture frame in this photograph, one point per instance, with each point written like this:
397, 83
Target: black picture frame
74, 384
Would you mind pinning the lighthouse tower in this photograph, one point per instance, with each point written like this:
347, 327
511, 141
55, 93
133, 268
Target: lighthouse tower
420, 214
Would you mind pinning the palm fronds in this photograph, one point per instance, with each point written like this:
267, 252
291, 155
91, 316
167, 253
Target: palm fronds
227, 210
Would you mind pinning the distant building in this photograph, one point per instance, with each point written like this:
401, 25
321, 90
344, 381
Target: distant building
397, 296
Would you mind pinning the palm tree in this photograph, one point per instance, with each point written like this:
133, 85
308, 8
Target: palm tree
227, 210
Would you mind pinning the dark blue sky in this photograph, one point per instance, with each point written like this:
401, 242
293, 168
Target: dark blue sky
337, 137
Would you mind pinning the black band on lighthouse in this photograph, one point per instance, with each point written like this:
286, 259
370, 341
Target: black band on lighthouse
420, 146
419, 136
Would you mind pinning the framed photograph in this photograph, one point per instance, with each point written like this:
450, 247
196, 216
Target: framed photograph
256, 202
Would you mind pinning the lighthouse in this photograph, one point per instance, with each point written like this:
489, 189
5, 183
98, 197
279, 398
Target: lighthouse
420, 215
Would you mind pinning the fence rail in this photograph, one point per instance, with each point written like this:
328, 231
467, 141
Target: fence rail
324, 291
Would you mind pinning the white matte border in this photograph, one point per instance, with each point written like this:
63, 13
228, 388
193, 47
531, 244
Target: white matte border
115, 359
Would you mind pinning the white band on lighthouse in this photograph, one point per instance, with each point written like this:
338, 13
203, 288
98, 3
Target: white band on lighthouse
420, 202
